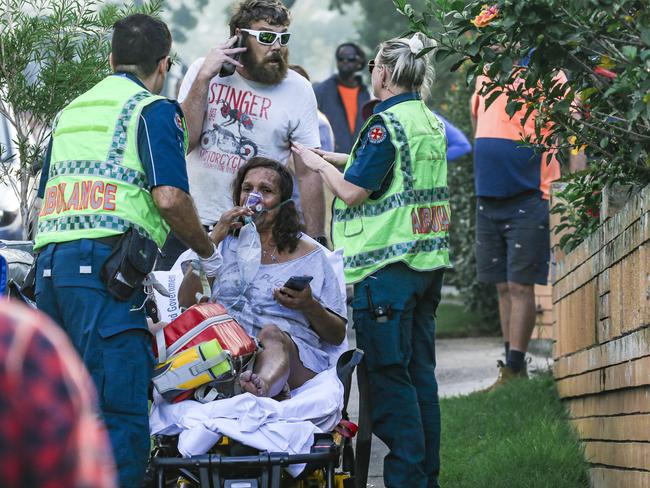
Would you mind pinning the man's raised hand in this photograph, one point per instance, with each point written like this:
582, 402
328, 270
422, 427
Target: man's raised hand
219, 55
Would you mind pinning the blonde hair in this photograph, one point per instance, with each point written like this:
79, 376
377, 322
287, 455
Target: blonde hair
407, 71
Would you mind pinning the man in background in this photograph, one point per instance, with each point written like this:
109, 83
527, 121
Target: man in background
256, 111
342, 96
512, 183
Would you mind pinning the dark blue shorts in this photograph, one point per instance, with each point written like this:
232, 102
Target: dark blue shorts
512, 240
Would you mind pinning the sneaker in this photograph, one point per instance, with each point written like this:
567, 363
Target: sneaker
506, 374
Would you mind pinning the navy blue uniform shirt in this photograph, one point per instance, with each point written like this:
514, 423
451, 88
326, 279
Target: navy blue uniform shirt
375, 156
160, 145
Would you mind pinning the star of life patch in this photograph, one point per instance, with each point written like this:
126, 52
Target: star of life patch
178, 122
376, 134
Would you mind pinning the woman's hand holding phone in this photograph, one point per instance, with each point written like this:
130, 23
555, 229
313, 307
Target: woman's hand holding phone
295, 294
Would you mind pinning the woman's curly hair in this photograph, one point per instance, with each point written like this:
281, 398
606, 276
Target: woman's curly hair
287, 227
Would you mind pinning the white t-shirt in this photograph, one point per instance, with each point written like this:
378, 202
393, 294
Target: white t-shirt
245, 119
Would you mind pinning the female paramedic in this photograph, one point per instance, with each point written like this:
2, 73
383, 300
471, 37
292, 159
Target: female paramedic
392, 217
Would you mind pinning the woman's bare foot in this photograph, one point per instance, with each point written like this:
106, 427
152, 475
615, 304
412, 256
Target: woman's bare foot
285, 394
252, 383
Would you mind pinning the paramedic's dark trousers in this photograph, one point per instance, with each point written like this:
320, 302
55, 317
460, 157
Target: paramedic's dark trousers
400, 354
112, 340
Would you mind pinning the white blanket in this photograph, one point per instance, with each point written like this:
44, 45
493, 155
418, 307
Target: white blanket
288, 426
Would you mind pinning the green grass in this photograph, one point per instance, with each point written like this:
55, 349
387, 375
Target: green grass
454, 320
515, 437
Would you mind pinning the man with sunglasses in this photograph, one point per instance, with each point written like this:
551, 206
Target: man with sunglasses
342, 95
116, 162
259, 110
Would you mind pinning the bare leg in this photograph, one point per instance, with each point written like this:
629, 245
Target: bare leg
277, 365
522, 315
504, 310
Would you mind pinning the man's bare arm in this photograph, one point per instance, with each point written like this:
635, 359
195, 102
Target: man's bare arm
194, 110
312, 197
177, 208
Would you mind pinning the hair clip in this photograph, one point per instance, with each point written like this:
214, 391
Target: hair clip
415, 44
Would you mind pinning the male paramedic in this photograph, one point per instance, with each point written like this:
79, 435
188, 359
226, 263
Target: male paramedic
116, 168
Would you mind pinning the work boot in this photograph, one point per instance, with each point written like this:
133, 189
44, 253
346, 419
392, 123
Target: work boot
506, 374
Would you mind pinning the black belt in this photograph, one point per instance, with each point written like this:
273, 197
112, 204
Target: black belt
511, 197
110, 240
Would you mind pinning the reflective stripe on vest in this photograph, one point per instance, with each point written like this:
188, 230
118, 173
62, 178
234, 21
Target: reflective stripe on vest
413, 197
98, 168
89, 198
88, 221
409, 222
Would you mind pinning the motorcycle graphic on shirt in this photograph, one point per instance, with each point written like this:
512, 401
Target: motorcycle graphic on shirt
225, 139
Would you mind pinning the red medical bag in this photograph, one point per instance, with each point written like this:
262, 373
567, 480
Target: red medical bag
201, 323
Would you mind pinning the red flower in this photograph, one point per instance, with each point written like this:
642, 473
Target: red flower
599, 70
486, 16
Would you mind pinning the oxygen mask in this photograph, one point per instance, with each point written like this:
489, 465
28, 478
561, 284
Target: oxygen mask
254, 202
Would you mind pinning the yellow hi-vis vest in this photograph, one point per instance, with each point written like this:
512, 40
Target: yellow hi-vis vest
96, 184
410, 221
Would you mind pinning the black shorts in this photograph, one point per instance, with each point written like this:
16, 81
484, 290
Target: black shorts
512, 239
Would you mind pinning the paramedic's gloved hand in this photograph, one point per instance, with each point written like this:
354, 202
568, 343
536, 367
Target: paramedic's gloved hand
231, 220
294, 299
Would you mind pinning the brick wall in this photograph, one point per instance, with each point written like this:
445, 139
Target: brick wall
601, 332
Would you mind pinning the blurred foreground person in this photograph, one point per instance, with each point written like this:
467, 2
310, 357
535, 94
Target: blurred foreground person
392, 217
50, 432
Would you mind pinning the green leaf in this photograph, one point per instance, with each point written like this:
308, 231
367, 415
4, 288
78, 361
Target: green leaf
492, 97
512, 107
645, 35
506, 64
630, 52
604, 142
588, 92
457, 64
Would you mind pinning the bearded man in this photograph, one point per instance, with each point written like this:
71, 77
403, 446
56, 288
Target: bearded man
259, 110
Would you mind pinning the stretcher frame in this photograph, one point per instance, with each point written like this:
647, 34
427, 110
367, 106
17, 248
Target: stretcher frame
208, 470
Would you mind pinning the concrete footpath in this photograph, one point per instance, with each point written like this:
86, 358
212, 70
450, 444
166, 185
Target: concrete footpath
463, 366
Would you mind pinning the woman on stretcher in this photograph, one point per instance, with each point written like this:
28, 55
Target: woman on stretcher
262, 246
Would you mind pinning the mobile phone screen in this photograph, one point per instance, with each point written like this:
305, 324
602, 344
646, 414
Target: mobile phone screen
298, 283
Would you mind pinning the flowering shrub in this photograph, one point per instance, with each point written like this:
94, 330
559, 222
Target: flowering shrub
486, 16
604, 48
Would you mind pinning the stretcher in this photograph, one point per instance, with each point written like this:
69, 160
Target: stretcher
333, 462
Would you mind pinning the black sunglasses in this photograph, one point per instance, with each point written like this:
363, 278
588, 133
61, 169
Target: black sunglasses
170, 61
371, 65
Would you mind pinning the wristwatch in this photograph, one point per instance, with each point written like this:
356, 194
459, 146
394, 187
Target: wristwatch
322, 240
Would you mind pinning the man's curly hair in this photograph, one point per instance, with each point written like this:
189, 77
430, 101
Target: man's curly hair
249, 11
287, 227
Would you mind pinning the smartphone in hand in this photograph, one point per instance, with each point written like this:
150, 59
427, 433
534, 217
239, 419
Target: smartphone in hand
227, 69
298, 283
